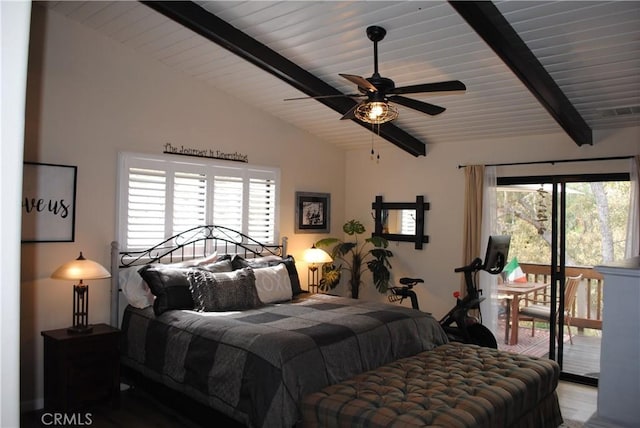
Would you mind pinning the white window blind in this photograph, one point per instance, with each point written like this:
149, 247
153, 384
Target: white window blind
189, 201
160, 196
261, 221
146, 201
227, 202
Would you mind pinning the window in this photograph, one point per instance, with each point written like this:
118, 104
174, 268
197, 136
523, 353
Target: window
596, 214
160, 196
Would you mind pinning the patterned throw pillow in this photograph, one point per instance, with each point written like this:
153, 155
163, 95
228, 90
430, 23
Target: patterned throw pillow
289, 262
223, 291
273, 284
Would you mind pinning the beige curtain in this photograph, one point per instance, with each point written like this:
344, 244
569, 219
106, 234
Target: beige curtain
472, 230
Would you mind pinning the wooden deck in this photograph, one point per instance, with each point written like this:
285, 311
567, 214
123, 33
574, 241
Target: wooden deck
582, 358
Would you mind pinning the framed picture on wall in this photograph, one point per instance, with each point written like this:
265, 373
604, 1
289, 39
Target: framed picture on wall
312, 212
48, 202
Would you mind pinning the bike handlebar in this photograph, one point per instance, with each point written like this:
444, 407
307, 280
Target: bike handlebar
475, 265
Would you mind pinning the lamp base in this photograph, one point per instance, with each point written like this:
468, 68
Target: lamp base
80, 329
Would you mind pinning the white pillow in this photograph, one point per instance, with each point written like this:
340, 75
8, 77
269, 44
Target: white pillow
265, 259
273, 283
134, 288
196, 262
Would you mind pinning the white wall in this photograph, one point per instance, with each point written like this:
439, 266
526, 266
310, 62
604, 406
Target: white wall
14, 38
399, 177
88, 98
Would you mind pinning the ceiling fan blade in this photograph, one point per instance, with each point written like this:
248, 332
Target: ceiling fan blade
451, 85
325, 96
431, 109
351, 114
360, 81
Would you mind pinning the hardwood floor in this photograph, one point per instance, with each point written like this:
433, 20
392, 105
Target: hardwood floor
138, 409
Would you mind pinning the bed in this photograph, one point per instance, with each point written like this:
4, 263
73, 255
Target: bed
201, 332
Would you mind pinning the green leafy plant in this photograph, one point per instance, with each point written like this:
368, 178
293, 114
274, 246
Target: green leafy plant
354, 257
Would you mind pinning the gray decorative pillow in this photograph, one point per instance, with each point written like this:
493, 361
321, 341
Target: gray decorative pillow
170, 286
223, 291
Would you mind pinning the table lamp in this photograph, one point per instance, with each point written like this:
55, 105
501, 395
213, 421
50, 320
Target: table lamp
314, 256
79, 270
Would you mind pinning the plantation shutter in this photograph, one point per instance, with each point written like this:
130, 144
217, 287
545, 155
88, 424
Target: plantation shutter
146, 203
189, 201
261, 220
227, 202
161, 196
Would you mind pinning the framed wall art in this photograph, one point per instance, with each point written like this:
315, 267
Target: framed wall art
312, 212
48, 202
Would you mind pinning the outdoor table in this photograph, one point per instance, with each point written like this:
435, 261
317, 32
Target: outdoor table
516, 291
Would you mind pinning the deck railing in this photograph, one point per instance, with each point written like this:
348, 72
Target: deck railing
587, 309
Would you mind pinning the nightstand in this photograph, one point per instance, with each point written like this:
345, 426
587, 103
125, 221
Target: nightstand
81, 370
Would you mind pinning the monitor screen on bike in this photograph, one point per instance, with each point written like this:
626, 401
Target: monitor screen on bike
497, 253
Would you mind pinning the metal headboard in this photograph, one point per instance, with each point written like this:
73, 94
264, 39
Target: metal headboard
196, 242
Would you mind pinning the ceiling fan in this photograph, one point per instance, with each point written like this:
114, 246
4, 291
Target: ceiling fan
378, 91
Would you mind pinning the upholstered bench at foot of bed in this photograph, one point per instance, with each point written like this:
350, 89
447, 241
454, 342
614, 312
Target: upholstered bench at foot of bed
452, 386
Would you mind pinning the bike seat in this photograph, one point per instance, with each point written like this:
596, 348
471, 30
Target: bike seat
411, 281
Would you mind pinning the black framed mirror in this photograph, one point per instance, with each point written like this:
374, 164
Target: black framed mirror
401, 221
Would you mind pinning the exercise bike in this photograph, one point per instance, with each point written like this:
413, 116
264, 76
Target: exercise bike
458, 323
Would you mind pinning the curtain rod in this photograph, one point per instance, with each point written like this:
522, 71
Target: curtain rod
552, 162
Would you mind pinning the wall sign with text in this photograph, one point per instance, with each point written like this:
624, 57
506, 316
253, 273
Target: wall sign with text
48, 202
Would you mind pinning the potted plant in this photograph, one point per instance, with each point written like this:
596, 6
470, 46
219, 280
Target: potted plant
355, 257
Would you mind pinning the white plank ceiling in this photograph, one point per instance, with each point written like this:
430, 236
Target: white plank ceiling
591, 49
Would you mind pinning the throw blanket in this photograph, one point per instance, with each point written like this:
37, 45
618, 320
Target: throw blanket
257, 365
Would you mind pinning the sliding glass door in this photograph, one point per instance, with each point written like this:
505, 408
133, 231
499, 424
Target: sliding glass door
561, 226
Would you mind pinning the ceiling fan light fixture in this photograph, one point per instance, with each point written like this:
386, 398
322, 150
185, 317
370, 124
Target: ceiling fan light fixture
376, 112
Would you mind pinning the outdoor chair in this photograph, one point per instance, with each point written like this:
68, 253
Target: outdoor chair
543, 311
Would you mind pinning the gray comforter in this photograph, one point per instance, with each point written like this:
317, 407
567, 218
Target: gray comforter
257, 365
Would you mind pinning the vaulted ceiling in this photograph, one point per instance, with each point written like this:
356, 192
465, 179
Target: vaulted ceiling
529, 67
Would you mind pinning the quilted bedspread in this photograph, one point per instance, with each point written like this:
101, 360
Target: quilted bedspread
257, 365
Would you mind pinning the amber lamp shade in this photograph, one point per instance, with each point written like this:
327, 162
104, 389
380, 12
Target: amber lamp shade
314, 256
79, 270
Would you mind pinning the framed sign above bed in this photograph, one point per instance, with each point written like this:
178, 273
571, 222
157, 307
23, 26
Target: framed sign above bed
312, 212
48, 202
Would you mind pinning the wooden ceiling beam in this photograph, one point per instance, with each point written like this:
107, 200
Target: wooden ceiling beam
208, 25
485, 18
